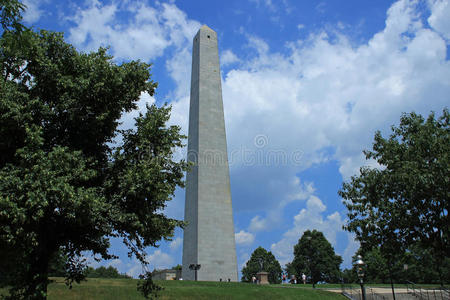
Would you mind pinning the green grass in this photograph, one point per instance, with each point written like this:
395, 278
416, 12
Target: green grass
99, 289
103, 289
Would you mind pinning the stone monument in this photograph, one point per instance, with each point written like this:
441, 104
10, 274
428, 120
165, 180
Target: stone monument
209, 236
263, 277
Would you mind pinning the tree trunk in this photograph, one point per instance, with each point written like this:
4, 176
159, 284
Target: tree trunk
36, 288
392, 283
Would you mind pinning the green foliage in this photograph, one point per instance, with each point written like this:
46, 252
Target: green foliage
315, 257
269, 264
103, 272
11, 14
64, 187
58, 265
415, 265
376, 268
349, 276
146, 285
404, 203
177, 267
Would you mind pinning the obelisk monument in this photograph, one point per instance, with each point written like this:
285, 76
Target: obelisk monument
209, 236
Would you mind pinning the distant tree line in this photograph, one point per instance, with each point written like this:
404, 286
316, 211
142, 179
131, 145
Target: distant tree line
58, 268
103, 272
315, 257
415, 265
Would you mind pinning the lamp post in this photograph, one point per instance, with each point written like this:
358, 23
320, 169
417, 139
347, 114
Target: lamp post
360, 269
309, 261
195, 267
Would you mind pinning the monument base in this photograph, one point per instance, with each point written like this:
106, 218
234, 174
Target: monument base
263, 277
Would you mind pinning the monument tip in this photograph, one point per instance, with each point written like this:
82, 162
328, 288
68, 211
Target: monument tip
205, 27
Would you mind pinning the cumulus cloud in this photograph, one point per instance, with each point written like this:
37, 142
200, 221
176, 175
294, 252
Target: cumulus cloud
439, 18
160, 260
327, 92
145, 35
308, 218
228, 58
176, 243
294, 190
258, 224
33, 11
244, 238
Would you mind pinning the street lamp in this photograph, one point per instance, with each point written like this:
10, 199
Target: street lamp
309, 261
360, 269
195, 267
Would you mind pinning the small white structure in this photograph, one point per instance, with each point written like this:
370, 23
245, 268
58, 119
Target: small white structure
166, 274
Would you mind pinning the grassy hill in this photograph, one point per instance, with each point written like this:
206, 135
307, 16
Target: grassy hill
107, 289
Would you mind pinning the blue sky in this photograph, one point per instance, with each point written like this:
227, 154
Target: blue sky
305, 86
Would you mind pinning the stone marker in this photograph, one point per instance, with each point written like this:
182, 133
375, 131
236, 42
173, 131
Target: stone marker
209, 236
263, 277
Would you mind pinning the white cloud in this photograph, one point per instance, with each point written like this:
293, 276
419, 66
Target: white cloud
328, 92
175, 244
116, 263
147, 33
244, 238
439, 18
308, 218
134, 268
160, 260
257, 224
33, 12
349, 251
228, 58
293, 190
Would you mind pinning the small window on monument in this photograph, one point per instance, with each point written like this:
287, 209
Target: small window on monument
208, 36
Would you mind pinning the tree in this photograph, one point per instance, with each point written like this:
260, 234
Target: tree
103, 272
349, 276
314, 256
261, 260
376, 269
406, 200
64, 185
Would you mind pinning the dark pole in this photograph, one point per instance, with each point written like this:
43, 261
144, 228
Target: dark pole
360, 269
363, 289
392, 283
309, 261
195, 267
